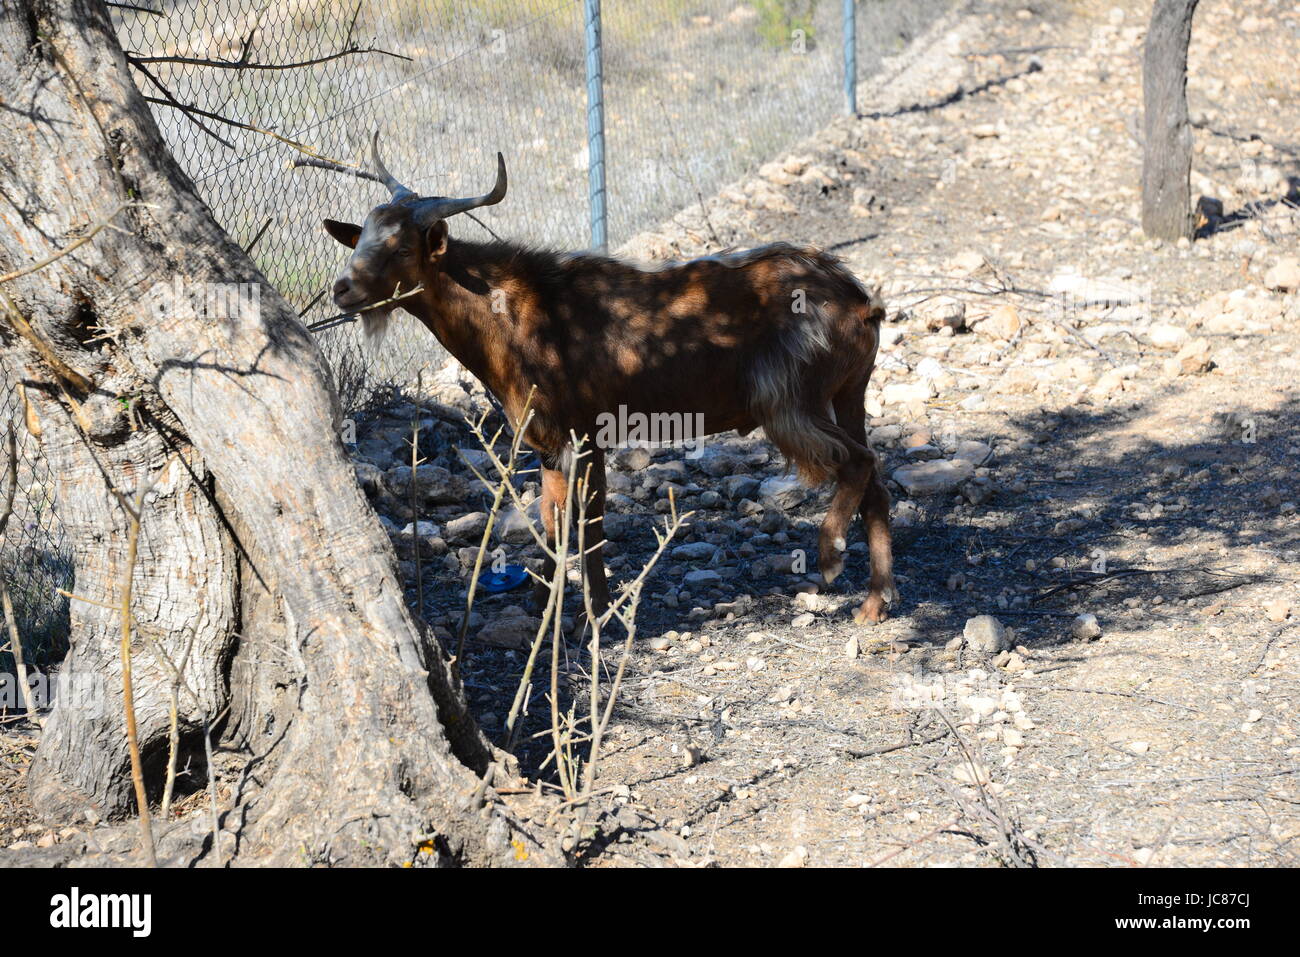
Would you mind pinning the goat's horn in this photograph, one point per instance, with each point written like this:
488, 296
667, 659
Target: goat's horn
388, 179
440, 207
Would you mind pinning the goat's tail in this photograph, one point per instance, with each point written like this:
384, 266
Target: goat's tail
806, 442
787, 401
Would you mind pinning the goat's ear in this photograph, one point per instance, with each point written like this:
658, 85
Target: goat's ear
436, 235
346, 233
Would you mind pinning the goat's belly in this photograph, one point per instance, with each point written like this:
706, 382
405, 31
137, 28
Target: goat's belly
709, 398
676, 413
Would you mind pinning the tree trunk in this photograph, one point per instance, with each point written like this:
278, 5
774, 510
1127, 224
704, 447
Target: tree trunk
1167, 211
256, 536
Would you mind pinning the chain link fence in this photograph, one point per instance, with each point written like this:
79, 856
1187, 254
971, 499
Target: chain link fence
696, 92
33, 561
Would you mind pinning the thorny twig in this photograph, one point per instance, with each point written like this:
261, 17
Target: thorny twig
105, 223
690, 177
1121, 694
415, 518
507, 472
346, 317
1017, 850
134, 511
173, 731
351, 170
632, 595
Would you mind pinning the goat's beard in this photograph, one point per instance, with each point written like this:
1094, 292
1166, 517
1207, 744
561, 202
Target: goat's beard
375, 324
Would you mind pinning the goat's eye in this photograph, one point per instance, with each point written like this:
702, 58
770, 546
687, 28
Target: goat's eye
404, 252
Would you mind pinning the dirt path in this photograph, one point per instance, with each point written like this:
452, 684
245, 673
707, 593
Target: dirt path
999, 163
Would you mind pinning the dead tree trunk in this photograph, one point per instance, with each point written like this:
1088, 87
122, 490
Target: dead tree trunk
1167, 211
257, 538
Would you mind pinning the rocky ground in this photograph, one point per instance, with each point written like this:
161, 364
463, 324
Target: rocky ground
1092, 447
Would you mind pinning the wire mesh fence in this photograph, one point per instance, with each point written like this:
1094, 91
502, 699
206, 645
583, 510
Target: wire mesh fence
695, 93
33, 561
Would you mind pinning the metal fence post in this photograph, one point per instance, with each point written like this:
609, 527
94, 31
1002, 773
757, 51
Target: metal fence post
850, 59
596, 129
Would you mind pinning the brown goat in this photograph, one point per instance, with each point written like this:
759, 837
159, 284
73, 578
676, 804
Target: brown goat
780, 337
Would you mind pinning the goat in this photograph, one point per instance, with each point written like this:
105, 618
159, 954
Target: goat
780, 336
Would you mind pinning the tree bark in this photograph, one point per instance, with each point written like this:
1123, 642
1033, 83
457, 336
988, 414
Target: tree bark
1167, 211
257, 536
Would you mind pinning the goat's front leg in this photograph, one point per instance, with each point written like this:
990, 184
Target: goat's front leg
591, 485
555, 488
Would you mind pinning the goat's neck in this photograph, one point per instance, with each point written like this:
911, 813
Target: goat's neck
456, 306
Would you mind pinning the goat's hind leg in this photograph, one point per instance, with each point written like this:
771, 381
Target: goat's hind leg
851, 483
845, 423
875, 515
871, 499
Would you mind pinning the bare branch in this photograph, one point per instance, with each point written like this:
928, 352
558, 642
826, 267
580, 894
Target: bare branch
177, 104
346, 317
132, 6
507, 478
76, 244
336, 167
135, 60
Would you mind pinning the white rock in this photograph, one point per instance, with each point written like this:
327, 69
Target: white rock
796, 858
905, 393
1085, 628
936, 477
420, 529
976, 453
968, 774
1285, 275
984, 634
1165, 336
695, 551
702, 576
782, 491
1193, 358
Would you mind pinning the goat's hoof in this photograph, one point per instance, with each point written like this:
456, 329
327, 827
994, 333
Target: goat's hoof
873, 610
830, 557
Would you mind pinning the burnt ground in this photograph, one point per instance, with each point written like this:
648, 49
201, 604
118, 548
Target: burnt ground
1125, 413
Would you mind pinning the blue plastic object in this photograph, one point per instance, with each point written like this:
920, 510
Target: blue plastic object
512, 576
